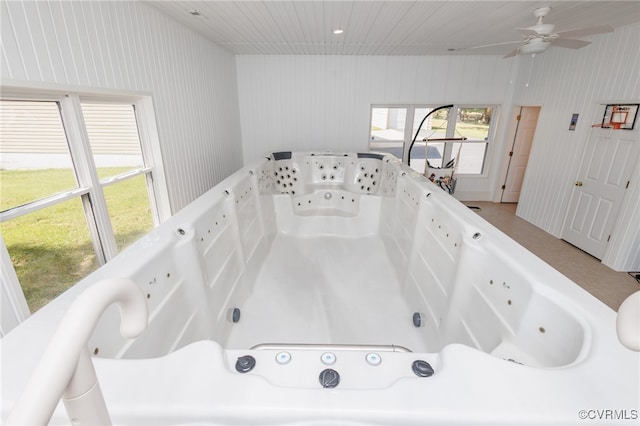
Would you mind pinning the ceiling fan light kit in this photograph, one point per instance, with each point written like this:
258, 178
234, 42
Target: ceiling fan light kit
535, 46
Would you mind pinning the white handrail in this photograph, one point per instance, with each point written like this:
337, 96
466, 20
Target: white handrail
66, 368
628, 322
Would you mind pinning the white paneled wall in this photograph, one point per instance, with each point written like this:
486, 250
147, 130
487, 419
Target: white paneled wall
130, 46
322, 102
565, 82
307, 102
311, 102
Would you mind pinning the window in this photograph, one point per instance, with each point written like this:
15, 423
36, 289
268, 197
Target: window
35, 127
388, 130
50, 248
73, 192
433, 127
49, 243
124, 178
472, 124
441, 139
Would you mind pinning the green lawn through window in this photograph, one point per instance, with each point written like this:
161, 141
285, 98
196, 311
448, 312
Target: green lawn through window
51, 249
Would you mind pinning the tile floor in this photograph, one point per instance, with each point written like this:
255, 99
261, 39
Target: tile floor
609, 286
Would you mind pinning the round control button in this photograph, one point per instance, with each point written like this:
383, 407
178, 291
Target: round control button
328, 358
373, 359
283, 358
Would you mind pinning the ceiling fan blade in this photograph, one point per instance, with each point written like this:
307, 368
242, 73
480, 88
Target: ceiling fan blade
570, 43
514, 52
528, 32
487, 45
581, 32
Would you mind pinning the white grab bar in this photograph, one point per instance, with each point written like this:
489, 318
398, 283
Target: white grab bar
66, 367
628, 322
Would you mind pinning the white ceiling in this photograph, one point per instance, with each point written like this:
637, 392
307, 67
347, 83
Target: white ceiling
384, 27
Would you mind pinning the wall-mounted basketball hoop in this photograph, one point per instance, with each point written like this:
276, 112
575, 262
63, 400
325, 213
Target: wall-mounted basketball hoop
620, 116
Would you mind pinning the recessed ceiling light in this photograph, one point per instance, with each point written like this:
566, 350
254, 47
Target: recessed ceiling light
338, 31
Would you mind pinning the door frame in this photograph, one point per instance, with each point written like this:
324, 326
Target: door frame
510, 141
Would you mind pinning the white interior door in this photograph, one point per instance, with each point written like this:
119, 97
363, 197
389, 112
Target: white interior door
604, 175
523, 129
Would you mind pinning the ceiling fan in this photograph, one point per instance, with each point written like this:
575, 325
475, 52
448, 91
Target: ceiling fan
539, 37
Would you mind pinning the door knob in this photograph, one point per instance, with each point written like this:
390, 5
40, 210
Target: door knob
578, 183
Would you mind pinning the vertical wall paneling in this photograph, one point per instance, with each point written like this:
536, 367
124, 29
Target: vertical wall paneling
567, 82
4, 64
129, 46
201, 92
76, 38
564, 82
7, 43
283, 96
11, 44
306, 102
117, 53
322, 102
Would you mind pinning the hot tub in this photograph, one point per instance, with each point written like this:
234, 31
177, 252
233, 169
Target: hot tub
316, 288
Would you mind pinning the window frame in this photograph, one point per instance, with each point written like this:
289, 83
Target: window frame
90, 189
450, 130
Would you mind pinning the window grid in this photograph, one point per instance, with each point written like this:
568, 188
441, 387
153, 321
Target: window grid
89, 189
472, 122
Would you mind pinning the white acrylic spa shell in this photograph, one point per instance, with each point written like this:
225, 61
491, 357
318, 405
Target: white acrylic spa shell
354, 263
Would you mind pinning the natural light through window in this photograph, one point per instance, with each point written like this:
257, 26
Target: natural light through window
70, 203
50, 245
460, 145
115, 144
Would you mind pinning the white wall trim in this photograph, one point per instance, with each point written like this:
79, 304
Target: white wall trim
38, 88
13, 305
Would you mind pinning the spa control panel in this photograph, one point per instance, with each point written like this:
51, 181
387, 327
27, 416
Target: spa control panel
344, 368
